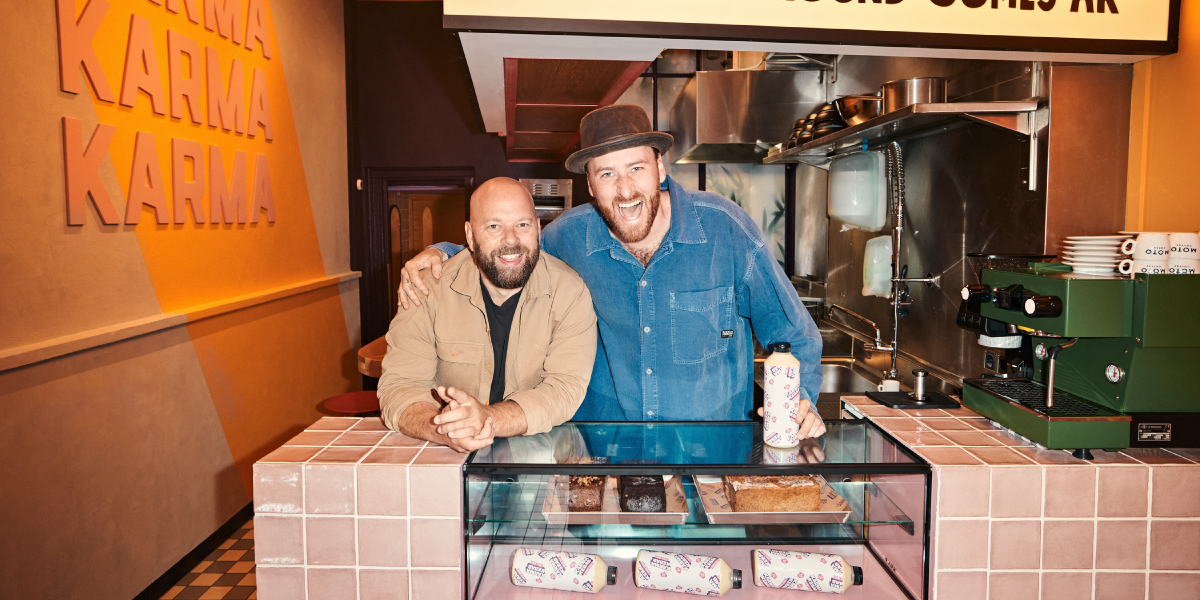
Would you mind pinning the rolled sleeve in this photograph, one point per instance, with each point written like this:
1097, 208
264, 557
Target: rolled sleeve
568, 366
410, 365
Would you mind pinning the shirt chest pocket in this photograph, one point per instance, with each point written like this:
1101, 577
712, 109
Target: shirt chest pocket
701, 324
459, 364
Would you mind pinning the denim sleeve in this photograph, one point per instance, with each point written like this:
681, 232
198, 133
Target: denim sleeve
777, 315
448, 248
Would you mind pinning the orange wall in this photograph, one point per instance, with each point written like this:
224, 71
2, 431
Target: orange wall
1162, 188
122, 453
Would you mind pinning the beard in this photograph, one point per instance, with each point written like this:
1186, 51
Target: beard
623, 231
504, 277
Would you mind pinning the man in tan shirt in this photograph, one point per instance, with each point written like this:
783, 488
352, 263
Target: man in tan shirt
501, 308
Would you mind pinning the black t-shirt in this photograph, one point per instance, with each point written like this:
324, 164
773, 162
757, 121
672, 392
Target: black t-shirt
500, 320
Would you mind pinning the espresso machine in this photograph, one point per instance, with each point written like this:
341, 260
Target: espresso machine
1083, 361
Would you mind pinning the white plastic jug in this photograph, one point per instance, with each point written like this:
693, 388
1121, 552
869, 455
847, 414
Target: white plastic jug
877, 267
858, 191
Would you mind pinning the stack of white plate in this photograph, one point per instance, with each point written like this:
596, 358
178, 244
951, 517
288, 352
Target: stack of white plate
1093, 254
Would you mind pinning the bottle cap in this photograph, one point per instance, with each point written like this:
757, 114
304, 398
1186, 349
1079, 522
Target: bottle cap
856, 575
612, 575
781, 347
736, 578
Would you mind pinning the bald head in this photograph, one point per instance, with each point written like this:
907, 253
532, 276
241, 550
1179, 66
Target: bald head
501, 195
503, 235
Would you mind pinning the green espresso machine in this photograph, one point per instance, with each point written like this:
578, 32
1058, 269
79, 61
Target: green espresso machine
1121, 357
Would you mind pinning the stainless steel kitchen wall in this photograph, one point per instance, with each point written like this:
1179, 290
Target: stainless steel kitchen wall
967, 191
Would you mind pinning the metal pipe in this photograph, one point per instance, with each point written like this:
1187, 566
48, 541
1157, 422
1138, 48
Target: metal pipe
1053, 354
878, 336
895, 171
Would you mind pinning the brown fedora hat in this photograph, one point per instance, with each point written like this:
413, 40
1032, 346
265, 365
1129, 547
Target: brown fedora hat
613, 128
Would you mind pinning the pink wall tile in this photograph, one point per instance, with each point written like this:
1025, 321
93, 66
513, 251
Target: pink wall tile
962, 585
370, 424
399, 439
1000, 456
1121, 544
1176, 492
332, 584
277, 488
1100, 457
979, 423
1067, 586
948, 455
1174, 586
313, 438
290, 454
1016, 544
437, 585
1157, 456
1048, 457
962, 544
440, 456
334, 423
279, 583
1070, 492
391, 456
383, 542
278, 540
859, 401
359, 438
329, 489
1120, 586
971, 438
1122, 491
1013, 586
1173, 545
946, 425
899, 424
962, 491
436, 542
347, 454
382, 490
330, 540
1067, 544
921, 438
382, 584
961, 412
881, 411
436, 491
1017, 492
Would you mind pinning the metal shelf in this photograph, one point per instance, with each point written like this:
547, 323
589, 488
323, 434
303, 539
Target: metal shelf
909, 122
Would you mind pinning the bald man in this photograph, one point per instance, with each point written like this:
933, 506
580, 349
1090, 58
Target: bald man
505, 343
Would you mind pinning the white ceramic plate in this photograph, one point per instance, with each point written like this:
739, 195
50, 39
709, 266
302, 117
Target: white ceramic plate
1086, 238
1092, 263
1092, 254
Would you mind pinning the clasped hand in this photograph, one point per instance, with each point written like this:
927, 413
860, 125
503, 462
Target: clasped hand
466, 423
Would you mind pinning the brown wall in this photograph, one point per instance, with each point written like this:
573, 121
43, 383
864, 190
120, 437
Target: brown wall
144, 368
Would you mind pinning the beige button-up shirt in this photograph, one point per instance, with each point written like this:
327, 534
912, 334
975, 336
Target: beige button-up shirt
446, 341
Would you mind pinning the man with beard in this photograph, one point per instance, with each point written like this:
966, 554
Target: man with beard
681, 278
504, 344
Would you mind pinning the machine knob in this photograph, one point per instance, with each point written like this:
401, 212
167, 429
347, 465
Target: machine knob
977, 293
1043, 306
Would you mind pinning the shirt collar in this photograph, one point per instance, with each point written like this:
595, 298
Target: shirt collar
685, 223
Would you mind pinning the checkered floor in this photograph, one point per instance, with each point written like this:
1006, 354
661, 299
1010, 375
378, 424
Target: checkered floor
226, 573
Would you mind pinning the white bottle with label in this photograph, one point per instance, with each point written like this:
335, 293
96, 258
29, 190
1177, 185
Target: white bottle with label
685, 573
781, 397
557, 570
807, 571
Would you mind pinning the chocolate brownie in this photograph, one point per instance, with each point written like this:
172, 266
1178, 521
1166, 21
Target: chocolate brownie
641, 493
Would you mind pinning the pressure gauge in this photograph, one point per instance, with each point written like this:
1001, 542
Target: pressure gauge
1113, 373
1040, 352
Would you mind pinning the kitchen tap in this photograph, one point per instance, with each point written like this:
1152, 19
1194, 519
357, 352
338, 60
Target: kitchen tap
878, 346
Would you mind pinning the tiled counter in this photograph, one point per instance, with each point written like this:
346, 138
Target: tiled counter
1015, 522
349, 510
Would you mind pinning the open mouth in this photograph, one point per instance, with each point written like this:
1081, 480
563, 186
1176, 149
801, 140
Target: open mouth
630, 211
510, 260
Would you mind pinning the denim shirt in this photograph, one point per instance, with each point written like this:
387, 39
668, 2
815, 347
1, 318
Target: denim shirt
675, 336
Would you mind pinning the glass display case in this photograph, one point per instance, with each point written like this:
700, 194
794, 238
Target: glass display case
513, 499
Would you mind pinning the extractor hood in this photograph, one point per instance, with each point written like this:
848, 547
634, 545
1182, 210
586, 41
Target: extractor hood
735, 116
